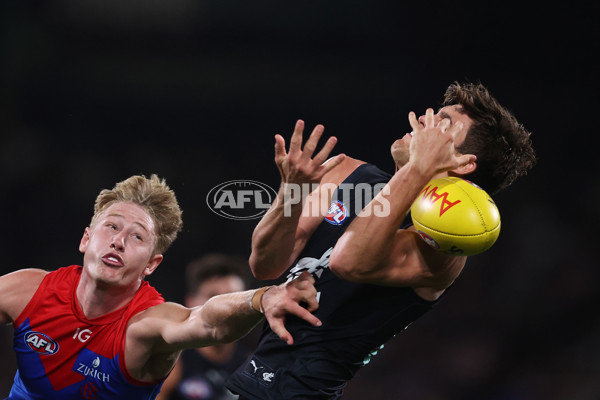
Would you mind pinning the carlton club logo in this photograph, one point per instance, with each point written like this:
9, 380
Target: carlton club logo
41, 343
337, 213
433, 197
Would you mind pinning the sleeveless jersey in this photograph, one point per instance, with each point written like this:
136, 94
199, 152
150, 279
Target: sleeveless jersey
63, 355
357, 318
203, 379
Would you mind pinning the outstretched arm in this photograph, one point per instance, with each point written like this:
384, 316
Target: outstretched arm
373, 249
281, 233
157, 335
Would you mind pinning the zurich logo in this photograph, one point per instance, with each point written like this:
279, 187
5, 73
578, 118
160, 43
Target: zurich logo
337, 213
41, 343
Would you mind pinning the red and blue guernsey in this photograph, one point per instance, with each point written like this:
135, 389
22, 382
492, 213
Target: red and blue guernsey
63, 355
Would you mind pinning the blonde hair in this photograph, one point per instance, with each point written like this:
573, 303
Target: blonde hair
155, 197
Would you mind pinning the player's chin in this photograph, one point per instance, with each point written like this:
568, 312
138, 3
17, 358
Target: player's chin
403, 142
399, 152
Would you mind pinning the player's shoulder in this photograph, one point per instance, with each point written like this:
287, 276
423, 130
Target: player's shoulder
364, 172
17, 289
24, 278
342, 171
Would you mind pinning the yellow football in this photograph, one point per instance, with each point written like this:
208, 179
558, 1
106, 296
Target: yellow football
456, 216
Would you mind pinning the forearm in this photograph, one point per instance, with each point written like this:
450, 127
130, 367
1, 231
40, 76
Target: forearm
222, 319
229, 317
274, 237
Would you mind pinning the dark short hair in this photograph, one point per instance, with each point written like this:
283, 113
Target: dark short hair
502, 145
215, 265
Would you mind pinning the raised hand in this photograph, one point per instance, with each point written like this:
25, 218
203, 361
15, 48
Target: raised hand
287, 298
432, 146
298, 164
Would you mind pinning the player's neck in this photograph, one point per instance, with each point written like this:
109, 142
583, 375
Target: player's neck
97, 300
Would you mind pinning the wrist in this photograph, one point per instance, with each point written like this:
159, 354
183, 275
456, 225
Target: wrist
418, 173
256, 299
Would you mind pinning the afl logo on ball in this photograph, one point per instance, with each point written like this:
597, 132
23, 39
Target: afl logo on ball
337, 213
429, 240
41, 343
240, 199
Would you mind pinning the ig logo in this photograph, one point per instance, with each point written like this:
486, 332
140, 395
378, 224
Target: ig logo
240, 199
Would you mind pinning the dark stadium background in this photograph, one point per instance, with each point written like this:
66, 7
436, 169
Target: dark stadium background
194, 90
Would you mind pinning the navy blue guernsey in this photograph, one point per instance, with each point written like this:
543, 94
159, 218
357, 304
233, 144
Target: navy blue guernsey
357, 318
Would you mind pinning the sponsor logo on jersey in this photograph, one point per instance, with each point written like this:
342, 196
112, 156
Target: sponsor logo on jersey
41, 343
259, 371
337, 213
82, 335
92, 366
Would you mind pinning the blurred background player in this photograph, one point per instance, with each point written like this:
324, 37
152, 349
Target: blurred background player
200, 374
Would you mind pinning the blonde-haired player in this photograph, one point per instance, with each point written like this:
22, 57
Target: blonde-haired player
100, 330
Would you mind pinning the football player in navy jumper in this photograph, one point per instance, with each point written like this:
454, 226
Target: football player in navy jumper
365, 259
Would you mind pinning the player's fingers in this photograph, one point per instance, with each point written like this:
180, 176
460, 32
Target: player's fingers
412, 120
279, 148
322, 155
333, 162
296, 140
313, 140
277, 326
444, 124
429, 117
456, 129
303, 313
312, 302
306, 276
464, 159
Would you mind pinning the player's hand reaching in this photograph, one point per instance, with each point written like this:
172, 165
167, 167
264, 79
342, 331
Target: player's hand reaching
289, 298
298, 164
432, 148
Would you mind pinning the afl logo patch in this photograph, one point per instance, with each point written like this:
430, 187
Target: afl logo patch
41, 343
337, 213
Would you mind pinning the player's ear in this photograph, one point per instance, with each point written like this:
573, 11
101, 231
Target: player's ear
155, 260
85, 239
465, 169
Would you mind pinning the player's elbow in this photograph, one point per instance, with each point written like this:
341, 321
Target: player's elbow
224, 336
344, 265
261, 268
